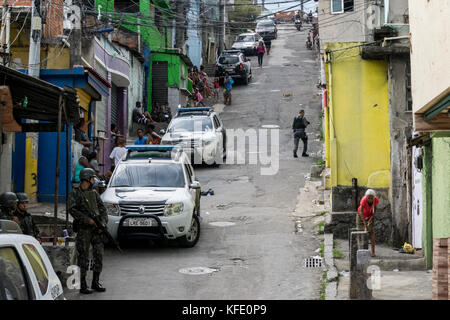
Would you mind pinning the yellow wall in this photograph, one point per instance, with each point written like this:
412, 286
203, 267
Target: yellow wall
358, 139
52, 56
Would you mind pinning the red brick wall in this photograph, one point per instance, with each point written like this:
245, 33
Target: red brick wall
19, 3
55, 19
440, 280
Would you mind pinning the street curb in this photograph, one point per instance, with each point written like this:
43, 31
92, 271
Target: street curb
332, 273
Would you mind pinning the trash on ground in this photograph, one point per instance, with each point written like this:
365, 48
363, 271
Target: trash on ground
396, 270
208, 193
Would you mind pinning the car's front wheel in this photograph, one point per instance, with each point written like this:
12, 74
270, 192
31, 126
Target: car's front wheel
191, 238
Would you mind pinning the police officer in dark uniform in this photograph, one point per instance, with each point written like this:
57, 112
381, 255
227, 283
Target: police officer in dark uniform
299, 127
8, 204
85, 203
26, 222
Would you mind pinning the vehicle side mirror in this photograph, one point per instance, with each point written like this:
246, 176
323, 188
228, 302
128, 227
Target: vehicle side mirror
195, 185
162, 132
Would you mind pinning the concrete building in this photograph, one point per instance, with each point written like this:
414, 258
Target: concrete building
392, 46
365, 49
430, 84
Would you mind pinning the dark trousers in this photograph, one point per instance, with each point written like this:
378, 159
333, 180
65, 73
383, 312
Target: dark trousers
260, 58
86, 238
300, 134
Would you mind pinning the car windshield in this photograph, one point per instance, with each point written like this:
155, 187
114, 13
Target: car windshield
228, 59
245, 38
190, 125
148, 175
265, 24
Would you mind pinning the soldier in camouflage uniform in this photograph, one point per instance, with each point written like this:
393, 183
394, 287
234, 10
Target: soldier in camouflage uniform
84, 203
8, 204
26, 222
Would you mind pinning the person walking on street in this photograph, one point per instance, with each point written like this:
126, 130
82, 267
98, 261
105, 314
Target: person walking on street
26, 222
260, 50
85, 203
366, 214
228, 84
8, 205
299, 126
268, 44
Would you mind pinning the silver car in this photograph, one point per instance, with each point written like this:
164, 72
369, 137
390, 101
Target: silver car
247, 43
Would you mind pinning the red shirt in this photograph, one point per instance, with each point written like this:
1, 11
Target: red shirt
261, 49
368, 209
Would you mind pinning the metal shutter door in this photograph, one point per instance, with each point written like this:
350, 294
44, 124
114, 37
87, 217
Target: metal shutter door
160, 81
114, 107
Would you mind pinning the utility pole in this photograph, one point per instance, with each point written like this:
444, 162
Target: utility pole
34, 58
222, 26
5, 34
75, 31
301, 8
34, 66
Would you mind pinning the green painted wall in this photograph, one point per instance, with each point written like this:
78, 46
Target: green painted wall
436, 192
427, 234
441, 185
150, 35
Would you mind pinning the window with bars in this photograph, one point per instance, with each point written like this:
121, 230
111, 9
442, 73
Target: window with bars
409, 102
340, 6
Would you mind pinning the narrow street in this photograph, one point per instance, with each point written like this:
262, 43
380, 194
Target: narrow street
256, 253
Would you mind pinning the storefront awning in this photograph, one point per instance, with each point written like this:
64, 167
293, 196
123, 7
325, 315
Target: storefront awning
36, 99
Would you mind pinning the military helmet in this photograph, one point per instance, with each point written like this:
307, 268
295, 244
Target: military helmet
8, 199
87, 174
22, 197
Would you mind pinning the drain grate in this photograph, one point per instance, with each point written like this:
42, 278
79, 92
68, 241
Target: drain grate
313, 262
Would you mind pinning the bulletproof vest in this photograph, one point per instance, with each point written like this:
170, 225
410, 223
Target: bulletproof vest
299, 124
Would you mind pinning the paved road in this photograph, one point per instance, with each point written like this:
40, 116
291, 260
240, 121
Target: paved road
260, 256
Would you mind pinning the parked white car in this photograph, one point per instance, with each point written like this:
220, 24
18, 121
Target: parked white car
247, 43
153, 194
200, 133
25, 269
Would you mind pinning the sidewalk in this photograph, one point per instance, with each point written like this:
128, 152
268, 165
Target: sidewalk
403, 276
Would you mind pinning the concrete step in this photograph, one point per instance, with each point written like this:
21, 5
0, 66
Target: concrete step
389, 264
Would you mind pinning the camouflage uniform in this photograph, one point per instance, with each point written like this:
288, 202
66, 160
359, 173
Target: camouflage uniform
84, 204
26, 223
6, 213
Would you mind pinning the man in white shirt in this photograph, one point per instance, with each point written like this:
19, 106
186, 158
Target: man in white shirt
118, 152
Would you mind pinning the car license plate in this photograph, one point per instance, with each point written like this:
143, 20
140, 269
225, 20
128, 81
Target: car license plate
140, 222
229, 69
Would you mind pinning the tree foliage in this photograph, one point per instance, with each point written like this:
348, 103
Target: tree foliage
244, 12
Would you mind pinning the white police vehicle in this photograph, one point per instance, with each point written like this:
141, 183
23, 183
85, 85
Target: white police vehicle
153, 194
25, 270
200, 133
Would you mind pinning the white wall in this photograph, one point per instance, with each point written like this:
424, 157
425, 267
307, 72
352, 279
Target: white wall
6, 163
341, 27
430, 50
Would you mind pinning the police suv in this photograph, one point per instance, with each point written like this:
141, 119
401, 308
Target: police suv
200, 133
25, 270
154, 194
